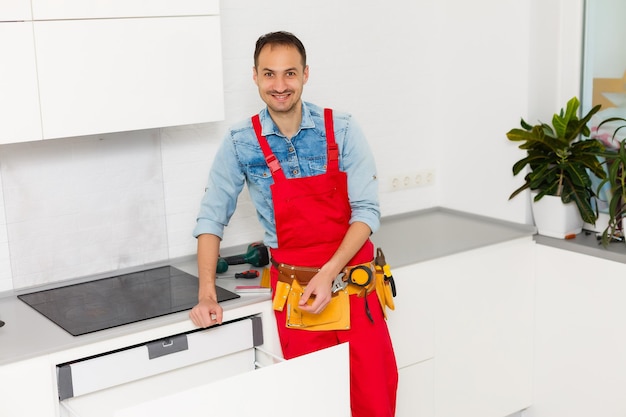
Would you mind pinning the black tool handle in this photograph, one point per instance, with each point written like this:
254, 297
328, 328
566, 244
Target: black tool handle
235, 259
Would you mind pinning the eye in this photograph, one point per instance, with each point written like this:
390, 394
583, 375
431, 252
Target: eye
268, 74
291, 74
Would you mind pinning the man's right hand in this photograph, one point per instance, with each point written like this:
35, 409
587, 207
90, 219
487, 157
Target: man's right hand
206, 313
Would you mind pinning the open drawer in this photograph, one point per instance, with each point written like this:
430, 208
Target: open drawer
244, 382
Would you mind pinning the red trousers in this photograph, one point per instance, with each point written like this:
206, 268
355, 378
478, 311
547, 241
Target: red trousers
373, 369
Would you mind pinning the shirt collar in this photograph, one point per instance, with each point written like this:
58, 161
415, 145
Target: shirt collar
268, 127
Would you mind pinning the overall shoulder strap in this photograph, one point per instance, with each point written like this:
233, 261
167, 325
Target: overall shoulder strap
332, 148
270, 158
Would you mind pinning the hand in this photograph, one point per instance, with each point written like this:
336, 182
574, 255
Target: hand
319, 287
206, 313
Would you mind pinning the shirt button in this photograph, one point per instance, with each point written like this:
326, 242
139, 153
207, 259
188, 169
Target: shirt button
295, 172
291, 149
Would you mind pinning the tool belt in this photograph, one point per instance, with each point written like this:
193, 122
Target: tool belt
303, 274
357, 280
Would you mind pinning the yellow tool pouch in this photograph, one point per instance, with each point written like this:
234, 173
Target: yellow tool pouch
280, 295
336, 315
384, 291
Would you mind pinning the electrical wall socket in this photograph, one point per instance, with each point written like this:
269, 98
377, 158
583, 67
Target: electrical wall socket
406, 180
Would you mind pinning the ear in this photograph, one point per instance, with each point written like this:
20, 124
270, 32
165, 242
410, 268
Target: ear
254, 75
305, 77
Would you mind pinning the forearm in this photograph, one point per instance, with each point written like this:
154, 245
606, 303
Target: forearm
208, 252
355, 237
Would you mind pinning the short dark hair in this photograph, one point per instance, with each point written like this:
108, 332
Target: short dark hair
279, 38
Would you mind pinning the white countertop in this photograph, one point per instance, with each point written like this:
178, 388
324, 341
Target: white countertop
28, 334
405, 239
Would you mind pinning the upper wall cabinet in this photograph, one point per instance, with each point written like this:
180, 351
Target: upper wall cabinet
15, 10
19, 100
112, 65
81, 9
108, 75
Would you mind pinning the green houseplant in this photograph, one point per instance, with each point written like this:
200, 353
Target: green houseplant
559, 160
616, 178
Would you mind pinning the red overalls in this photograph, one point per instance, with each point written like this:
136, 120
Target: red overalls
312, 216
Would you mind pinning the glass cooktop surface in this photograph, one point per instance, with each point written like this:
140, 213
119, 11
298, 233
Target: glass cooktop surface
110, 302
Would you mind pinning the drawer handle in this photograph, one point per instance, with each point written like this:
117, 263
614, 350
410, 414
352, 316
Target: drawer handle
167, 346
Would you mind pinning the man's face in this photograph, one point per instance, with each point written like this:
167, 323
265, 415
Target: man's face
280, 76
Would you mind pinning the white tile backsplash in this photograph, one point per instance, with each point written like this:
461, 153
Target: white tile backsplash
81, 206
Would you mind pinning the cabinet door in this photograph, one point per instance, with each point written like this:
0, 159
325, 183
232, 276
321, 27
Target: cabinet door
484, 330
19, 100
81, 9
411, 324
15, 10
416, 390
110, 75
580, 366
27, 389
321, 380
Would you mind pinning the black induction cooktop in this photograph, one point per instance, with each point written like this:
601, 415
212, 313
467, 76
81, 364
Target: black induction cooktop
110, 302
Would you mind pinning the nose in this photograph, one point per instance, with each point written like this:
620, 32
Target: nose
280, 83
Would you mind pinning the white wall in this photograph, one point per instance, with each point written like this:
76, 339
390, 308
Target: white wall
435, 84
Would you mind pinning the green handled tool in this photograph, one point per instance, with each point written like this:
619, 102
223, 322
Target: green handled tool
256, 255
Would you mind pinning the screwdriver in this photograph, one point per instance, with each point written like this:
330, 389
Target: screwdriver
252, 273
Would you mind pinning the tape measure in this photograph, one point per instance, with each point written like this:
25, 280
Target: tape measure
360, 275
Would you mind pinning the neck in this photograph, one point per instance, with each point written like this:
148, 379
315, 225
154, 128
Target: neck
288, 122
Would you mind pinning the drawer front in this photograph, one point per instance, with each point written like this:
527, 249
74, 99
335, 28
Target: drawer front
94, 374
265, 392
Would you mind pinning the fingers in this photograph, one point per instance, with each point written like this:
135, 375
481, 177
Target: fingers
318, 304
203, 316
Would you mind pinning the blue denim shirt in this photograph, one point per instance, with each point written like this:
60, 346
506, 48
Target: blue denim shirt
240, 160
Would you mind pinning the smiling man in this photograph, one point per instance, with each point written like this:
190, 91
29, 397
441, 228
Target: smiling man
312, 179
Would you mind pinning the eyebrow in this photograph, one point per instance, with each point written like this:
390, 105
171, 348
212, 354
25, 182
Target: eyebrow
292, 69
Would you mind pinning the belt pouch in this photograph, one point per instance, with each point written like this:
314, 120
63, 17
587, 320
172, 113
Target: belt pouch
336, 315
280, 296
384, 292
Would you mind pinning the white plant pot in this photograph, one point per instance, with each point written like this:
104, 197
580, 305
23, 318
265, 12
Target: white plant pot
555, 219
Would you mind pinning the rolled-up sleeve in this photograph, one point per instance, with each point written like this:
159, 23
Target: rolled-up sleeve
226, 180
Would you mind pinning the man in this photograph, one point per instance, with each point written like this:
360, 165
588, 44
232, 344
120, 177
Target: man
312, 179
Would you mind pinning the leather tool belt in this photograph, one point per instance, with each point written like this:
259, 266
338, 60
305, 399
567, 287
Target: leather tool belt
303, 274
336, 316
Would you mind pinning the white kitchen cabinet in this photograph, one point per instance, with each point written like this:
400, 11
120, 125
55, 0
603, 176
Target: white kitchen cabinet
15, 10
82, 68
411, 324
580, 366
81, 9
19, 101
484, 309
265, 392
416, 390
27, 390
462, 332
108, 75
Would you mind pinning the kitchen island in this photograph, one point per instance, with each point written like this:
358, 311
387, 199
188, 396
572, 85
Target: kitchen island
429, 238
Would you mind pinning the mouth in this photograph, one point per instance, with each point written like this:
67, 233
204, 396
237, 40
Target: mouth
280, 96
